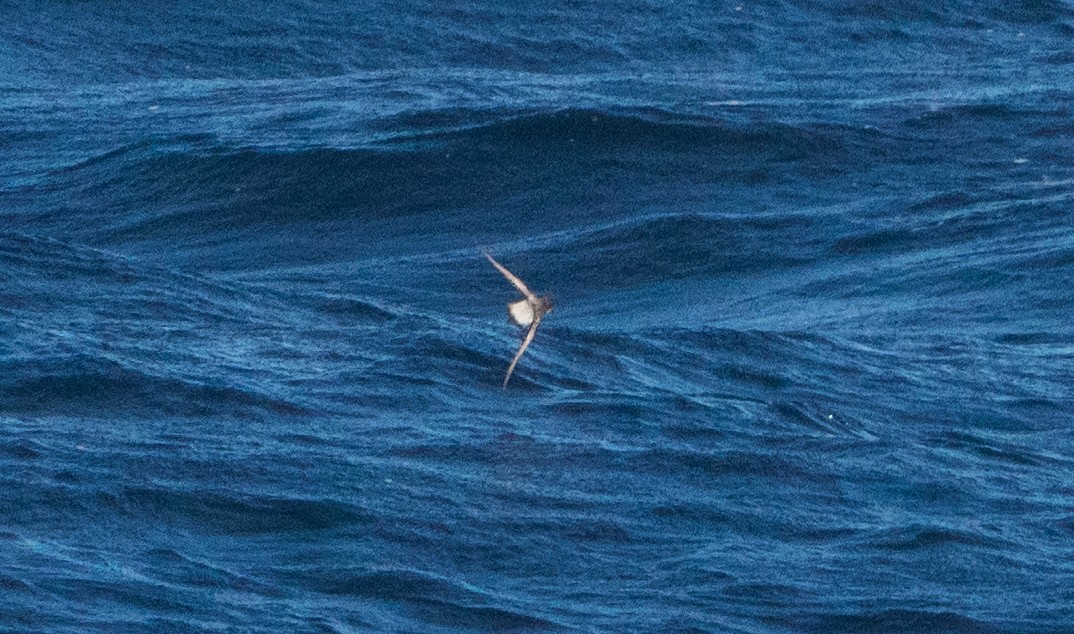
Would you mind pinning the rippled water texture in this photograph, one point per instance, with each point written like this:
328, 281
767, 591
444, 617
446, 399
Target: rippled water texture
809, 369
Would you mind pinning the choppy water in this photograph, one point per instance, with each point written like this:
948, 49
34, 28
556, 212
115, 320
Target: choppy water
810, 367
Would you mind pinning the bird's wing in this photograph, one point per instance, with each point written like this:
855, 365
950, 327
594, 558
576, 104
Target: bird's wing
525, 344
522, 288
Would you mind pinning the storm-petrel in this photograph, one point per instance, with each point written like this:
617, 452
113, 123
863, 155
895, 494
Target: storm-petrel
525, 312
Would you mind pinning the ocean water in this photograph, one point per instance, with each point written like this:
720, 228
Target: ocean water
811, 366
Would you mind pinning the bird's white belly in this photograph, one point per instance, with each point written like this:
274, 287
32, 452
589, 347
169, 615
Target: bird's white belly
521, 312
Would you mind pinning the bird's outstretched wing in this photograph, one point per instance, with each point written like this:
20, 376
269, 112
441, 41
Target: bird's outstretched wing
525, 344
522, 288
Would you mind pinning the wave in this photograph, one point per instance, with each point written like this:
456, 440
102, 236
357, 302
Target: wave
928, 538
231, 513
82, 385
223, 208
898, 620
184, 165
431, 599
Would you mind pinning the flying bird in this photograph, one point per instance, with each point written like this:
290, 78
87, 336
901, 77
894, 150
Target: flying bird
526, 312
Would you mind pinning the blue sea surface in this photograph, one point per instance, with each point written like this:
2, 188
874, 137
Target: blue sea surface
810, 368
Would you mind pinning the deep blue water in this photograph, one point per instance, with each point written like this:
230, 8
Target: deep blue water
811, 366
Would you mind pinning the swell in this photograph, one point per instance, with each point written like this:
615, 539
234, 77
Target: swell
87, 386
231, 513
619, 129
190, 190
430, 598
652, 185
896, 620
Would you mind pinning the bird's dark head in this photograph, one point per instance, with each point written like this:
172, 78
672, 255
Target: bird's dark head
544, 304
